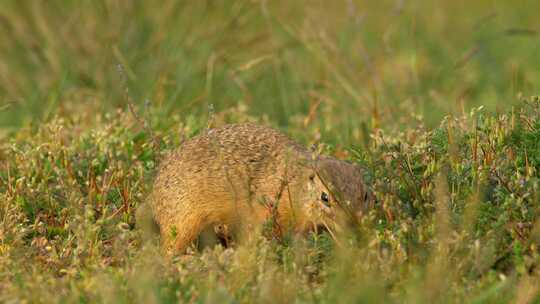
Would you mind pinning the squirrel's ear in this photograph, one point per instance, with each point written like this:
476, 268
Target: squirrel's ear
328, 168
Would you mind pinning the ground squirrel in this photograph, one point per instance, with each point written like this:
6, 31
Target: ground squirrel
243, 175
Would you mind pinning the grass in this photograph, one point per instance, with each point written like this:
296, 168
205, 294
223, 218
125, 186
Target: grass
431, 98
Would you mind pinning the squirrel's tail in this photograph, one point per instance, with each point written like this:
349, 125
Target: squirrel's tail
146, 223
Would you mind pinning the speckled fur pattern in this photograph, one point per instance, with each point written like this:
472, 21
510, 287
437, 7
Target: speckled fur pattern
240, 175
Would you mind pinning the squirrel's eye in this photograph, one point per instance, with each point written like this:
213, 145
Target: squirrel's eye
325, 199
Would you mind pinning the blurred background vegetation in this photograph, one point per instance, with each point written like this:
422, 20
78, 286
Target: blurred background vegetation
359, 61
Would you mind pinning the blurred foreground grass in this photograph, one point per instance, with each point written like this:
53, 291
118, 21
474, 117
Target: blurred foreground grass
457, 219
393, 85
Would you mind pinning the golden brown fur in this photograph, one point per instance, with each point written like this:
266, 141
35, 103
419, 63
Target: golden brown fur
242, 175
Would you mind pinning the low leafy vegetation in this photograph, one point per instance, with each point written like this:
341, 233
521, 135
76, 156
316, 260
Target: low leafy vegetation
456, 219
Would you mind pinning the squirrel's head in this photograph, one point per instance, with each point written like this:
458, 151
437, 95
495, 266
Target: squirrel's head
337, 192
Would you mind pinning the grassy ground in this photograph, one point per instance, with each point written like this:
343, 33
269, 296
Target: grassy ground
431, 98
